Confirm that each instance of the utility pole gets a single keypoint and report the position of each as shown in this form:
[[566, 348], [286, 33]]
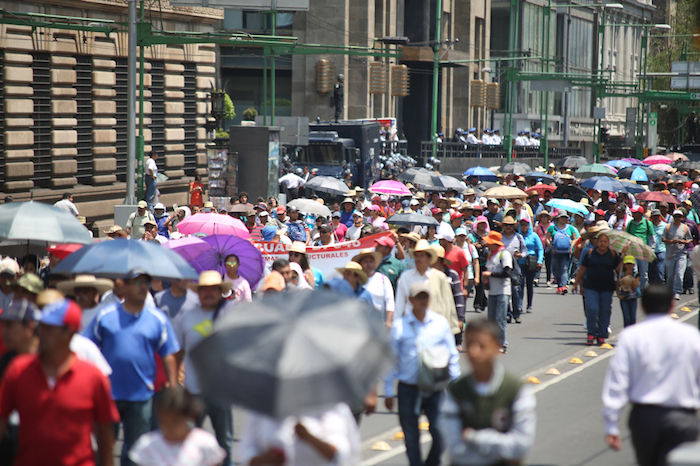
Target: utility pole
[[130, 198], [436, 72]]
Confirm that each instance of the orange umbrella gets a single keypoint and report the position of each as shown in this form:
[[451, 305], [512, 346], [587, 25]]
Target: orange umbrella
[[540, 189]]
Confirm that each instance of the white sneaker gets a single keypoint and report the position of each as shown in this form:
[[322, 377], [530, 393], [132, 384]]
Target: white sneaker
[[549, 283], [585, 325], [677, 297], [609, 331]]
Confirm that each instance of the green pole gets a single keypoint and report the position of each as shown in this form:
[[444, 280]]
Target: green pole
[[510, 85], [601, 45], [272, 70], [544, 142], [140, 139], [265, 51], [436, 70]]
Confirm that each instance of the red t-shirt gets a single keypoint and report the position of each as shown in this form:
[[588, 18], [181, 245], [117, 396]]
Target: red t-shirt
[[56, 423], [459, 261]]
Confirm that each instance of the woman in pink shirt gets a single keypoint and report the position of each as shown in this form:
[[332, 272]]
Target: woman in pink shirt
[[240, 290]]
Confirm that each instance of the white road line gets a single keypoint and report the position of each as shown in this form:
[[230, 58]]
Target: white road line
[[380, 458]]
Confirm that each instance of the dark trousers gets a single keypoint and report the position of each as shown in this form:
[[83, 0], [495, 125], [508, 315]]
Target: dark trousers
[[136, 420], [657, 430], [222, 421], [688, 282], [408, 396], [515, 307], [629, 311], [480, 299], [548, 264]]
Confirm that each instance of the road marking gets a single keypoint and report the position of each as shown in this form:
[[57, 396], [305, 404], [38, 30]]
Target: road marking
[[380, 458]]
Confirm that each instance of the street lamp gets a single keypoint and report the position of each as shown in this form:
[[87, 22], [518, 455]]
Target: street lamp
[[218, 109]]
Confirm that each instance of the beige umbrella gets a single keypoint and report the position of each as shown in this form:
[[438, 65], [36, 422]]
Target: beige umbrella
[[675, 156], [505, 192]]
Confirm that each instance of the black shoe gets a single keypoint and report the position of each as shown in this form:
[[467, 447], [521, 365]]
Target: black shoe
[[509, 318]]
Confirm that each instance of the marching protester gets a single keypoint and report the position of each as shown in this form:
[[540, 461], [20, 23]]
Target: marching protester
[[497, 277]]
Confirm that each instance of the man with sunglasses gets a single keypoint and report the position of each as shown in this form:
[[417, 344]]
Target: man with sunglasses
[[9, 268], [325, 238], [129, 334]]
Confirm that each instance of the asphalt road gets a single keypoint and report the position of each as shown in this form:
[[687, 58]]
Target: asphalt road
[[570, 428]]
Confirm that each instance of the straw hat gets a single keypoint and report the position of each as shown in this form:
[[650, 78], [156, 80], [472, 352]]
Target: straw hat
[[423, 246], [454, 202], [508, 220], [211, 278], [440, 251], [419, 195], [354, 267], [297, 246], [102, 285], [49, 296], [413, 236], [115, 230], [595, 230], [368, 253]]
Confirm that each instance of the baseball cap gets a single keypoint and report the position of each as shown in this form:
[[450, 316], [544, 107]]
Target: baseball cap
[[599, 212], [159, 206], [261, 206], [460, 231], [456, 215], [274, 281], [435, 211], [63, 313], [386, 241], [525, 219], [677, 212], [655, 212], [142, 205], [281, 209], [9, 266], [414, 202], [263, 214], [31, 283], [357, 213], [21, 310], [629, 260], [150, 222], [492, 200], [638, 209], [419, 288], [137, 272], [336, 215], [325, 227]]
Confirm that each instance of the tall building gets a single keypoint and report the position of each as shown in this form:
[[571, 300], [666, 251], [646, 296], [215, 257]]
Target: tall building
[[574, 48], [63, 99]]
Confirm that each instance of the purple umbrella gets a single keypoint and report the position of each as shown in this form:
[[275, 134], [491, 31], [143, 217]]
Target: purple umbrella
[[190, 248], [251, 263], [633, 161]]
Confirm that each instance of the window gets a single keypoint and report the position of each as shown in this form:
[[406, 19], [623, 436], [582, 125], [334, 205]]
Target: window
[[121, 88], [41, 85], [83, 97]]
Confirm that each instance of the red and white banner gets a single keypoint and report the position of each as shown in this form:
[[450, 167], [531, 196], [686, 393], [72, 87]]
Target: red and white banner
[[324, 258]]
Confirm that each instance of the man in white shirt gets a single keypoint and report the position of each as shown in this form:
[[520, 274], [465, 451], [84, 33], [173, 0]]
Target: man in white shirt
[[521, 140], [355, 230], [497, 139], [486, 137], [656, 367], [378, 285], [66, 203], [471, 137], [151, 181]]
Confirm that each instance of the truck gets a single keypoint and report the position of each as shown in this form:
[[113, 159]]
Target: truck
[[337, 148]]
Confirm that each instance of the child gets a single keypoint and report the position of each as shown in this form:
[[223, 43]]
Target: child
[[178, 442], [488, 416], [627, 287]]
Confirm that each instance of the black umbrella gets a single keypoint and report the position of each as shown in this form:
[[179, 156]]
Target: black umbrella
[[573, 162], [516, 168], [485, 186], [420, 176], [678, 178], [411, 218], [651, 173], [687, 165], [327, 184], [573, 192], [293, 352], [446, 183]]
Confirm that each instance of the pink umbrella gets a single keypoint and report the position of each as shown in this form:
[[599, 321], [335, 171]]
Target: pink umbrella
[[662, 167], [189, 247], [657, 159], [213, 224], [392, 187], [675, 156]]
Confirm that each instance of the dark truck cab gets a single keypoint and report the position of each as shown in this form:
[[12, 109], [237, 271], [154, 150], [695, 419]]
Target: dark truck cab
[[336, 147]]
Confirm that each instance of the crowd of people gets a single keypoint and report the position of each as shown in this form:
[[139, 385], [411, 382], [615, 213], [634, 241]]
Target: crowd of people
[[88, 353]]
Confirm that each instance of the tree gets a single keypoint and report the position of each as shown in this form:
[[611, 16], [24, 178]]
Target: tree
[[229, 108]]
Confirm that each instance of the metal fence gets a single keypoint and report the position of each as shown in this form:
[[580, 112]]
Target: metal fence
[[461, 150]]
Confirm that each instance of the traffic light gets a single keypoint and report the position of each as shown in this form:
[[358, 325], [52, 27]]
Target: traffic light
[[400, 81], [493, 96], [478, 93], [324, 76], [378, 78], [604, 133]]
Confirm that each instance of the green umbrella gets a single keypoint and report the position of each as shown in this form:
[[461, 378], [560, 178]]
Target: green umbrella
[[635, 246], [595, 169]]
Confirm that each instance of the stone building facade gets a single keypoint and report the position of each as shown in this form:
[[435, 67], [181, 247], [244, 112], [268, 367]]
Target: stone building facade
[[63, 106]]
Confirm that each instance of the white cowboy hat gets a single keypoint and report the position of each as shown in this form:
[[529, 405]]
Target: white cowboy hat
[[211, 278], [102, 285]]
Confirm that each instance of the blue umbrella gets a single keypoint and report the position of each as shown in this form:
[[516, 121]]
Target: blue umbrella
[[618, 163], [535, 176], [569, 206], [638, 174], [604, 183], [632, 188], [482, 173], [114, 259]]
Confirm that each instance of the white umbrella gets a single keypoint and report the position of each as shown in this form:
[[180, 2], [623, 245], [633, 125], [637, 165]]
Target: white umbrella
[[309, 206]]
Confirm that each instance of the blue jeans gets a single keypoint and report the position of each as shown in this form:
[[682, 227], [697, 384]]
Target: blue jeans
[[642, 270], [598, 312], [150, 190], [515, 307], [408, 398], [222, 421], [560, 266], [675, 270], [629, 311], [136, 419], [657, 269], [498, 308]]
